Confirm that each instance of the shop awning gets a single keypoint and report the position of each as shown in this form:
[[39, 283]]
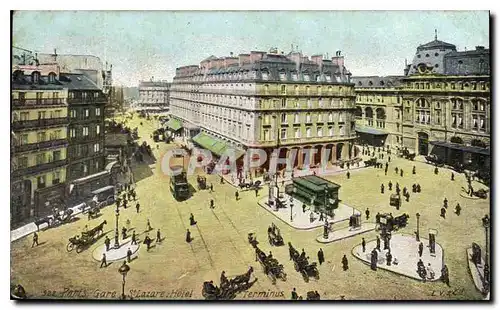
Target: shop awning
[[216, 145], [461, 147], [174, 124], [370, 130]]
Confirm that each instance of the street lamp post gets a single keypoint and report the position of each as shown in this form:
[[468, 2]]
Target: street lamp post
[[291, 208], [417, 234], [123, 270], [486, 224], [326, 194], [117, 244]]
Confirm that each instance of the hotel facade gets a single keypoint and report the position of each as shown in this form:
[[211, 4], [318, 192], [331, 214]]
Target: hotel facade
[[268, 101]]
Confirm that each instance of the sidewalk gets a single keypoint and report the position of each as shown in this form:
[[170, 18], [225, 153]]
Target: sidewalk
[[404, 248], [477, 271], [301, 220]]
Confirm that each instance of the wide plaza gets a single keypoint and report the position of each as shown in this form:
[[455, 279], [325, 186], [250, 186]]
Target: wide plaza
[[220, 239]]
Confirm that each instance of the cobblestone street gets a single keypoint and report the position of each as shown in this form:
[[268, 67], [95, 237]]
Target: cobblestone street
[[220, 239]]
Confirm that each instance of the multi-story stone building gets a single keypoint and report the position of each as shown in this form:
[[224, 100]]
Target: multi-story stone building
[[86, 102], [154, 95], [267, 101], [442, 104], [39, 141]]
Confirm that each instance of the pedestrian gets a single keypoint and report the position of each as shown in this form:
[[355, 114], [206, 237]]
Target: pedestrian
[[117, 201], [420, 249], [389, 158], [388, 258], [148, 226], [367, 213], [377, 218], [458, 209], [452, 177], [363, 244], [382, 188], [378, 243], [418, 188], [133, 194], [134, 238], [445, 277], [129, 255], [321, 218], [294, 294], [304, 208], [311, 217], [89, 217], [374, 260], [401, 172], [386, 169], [414, 188], [421, 270], [125, 203], [107, 242], [445, 203], [396, 169], [221, 180], [191, 220], [212, 204], [407, 197], [147, 241], [256, 192], [436, 171], [348, 175], [103, 260], [390, 185], [345, 263], [137, 207], [211, 187], [158, 235], [188, 236], [321, 256], [430, 272], [237, 195], [35, 239], [443, 213], [414, 170]]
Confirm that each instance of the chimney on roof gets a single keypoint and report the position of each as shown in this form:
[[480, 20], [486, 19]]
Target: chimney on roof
[[435, 34], [479, 48], [55, 55], [231, 54]]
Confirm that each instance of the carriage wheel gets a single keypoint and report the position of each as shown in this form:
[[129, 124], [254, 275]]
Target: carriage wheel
[[70, 247], [273, 279], [296, 266], [306, 277], [283, 276], [110, 200], [317, 276], [79, 248]]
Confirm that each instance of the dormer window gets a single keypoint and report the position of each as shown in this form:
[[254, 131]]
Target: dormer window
[[370, 83], [52, 78], [306, 77], [265, 75], [36, 77], [294, 76], [282, 75]]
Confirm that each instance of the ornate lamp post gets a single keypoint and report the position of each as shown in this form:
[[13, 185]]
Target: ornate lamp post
[[486, 225], [123, 270], [291, 205], [417, 233], [117, 244]]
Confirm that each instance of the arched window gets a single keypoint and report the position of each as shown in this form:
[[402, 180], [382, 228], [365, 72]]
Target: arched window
[[52, 77], [35, 77]]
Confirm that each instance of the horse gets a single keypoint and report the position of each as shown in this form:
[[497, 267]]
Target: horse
[[244, 278], [96, 230]]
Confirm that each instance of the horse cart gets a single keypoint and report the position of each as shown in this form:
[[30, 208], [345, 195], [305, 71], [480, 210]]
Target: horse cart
[[58, 217], [389, 223], [252, 240], [228, 287], [274, 236], [395, 200], [313, 295], [433, 159], [250, 185], [482, 193], [272, 268], [202, 182], [302, 265], [370, 162], [87, 238]]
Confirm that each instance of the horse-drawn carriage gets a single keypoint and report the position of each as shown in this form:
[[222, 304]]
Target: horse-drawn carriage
[[433, 159], [252, 240], [274, 236], [202, 182], [250, 185], [58, 217], [370, 162], [313, 295], [482, 193], [87, 238], [228, 287], [389, 223], [395, 200], [272, 268], [302, 265]]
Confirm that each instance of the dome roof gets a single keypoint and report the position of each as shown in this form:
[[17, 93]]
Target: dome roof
[[436, 44]]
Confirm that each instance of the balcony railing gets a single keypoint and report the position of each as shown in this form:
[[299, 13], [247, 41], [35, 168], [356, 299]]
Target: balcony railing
[[41, 145], [44, 122], [38, 102], [87, 100], [39, 168]]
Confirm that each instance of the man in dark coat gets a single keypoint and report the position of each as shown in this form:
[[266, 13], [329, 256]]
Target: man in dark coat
[[158, 235], [147, 242], [367, 213], [420, 249], [401, 172], [294, 294], [191, 220], [445, 203], [321, 256], [458, 209], [236, 195], [390, 185], [373, 261], [35, 239], [345, 263], [443, 213], [414, 170], [452, 177], [414, 188], [124, 233], [378, 243], [188, 236], [212, 205], [137, 207], [445, 276], [107, 242], [363, 244], [348, 175], [211, 187], [377, 218], [129, 255], [388, 258], [436, 170], [103, 261], [382, 188], [134, 238]]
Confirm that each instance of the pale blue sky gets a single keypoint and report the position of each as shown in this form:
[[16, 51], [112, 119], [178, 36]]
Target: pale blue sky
[[141, 44]]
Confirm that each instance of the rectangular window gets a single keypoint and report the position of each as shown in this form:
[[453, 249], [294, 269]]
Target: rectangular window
[[40, 181], [22, 96], [308, 118], [320, 131], [98, 129], [96, 148], [25, 116], [85, 131], [22, 162], [56, 177], [41, 136], [482, 123], [330, 131], [72, 113], [266, 135], [97, 111], [56, 155], [297, 118], [308, 132], [72, 133], [320, 118], [41, 114], [39, 96], [297, 133], [475, 124], [283, 133], [40, 159], [86, 113]]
